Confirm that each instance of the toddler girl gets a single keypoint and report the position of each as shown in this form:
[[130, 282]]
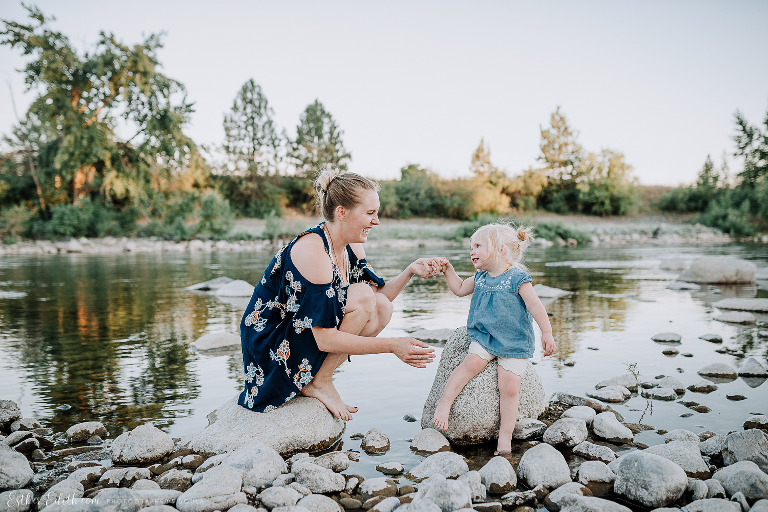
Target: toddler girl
[[499, 321]]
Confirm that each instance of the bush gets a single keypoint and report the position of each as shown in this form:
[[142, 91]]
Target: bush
[[14, 221], [216, 217], [684, 200], [88, 218]]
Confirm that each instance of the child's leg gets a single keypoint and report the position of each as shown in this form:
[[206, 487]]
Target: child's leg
[[471, 366], [509, 394]]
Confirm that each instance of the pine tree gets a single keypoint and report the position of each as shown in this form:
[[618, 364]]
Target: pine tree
[[318, 144]]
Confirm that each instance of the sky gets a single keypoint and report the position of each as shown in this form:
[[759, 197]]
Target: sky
[[424, 82]]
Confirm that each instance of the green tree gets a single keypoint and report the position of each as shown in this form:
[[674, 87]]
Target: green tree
[[560, 152], [80, 100], [318, 143], [752, 145]]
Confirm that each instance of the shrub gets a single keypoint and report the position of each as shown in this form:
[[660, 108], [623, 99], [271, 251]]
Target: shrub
[[14, 221]]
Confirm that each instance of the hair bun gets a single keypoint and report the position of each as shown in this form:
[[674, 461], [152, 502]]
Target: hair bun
[[522, 234], [325, 178]]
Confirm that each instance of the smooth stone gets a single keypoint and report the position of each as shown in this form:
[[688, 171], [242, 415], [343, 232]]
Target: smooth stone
[[279, 497], [9, 412], [390, 468], [18, 500], [498, 476], [595, 471], [566, 431], [671, 382], [28, 424], [15, 471], [375, 441], [750, 445], [259, 462], [218, 340], [175, 479], [474, 416], [430, 440], [606, 426], [744, 477], [712, 446], [446, 464], [736, 317], [613, 394], [553, 501], [317, 503], [143, 445], [335, 461], [211, 285], [119, 500], [703, 386], [302, 424], [720, 269], [680, 434], [712, 338], [147, 485], [219, 489], [627, 380], [386, 505], [517, 498], [721, 370], [666, 394], [528, 428], [594, 452], [714, 488], [566, 399], [685, 454], [237, 288], [83, 431], [87, 476], [757, 421], [650, 480], [319, 479], [156, 497], [379, 486], [712, 505], [741, 304], [543, 465], [547, 292], [446, 494], [667, 337], [753, 368], [574, 503], [760, 506], [580, 411]]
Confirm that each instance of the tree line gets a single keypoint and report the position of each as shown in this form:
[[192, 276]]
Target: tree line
[[102, 150]]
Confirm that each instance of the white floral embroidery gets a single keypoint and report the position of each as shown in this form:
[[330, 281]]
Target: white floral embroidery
[[281, 355], [254, 372], [300, 325], [293, 394], [330, 292], [269, 408], [278, 257], [304, 375]]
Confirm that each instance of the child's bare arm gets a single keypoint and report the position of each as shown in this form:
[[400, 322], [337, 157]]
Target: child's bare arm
[[458, 286], [539, 313]]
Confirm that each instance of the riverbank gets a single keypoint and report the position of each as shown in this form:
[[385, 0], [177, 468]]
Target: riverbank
[[250, 235]]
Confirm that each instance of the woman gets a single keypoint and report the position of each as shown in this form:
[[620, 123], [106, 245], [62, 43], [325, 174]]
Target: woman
[[320, 301]]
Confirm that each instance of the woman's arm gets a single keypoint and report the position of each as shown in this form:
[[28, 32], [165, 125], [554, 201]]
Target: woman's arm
[[459, 287], [409, 350], [539, 313], [423, 267]]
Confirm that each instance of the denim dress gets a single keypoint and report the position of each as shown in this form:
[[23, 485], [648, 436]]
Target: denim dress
[[280, 354], [498, 318]]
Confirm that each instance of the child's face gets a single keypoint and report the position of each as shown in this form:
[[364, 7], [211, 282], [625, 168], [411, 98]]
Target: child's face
[[480, 253]]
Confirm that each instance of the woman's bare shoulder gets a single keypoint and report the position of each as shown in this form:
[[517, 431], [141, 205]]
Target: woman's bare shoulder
[[358, 250], [311, 260]]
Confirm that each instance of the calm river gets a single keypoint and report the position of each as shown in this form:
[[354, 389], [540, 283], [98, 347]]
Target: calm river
[[106, 338]]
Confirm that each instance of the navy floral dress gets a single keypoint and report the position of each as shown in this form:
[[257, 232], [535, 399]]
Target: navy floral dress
[[280, 355]]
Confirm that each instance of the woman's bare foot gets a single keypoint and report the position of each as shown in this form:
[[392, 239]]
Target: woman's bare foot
[[330, 398], [442, 411]]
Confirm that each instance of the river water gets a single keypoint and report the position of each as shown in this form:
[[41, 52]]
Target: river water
[[106, 338]]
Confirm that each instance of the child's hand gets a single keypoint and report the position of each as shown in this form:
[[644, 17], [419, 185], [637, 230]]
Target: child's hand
[[444, 264], [548, 344]]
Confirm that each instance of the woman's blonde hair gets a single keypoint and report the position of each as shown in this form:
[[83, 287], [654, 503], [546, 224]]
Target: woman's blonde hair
[[506, 240], [339, 188]]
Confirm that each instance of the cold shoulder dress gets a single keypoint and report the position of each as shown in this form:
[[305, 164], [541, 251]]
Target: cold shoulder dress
[[280, 354]]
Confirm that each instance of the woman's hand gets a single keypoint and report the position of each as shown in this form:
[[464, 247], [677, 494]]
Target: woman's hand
[[427, 267], [414, 352]]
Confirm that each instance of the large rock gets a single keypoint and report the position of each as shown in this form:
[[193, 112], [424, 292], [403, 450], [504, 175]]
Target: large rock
[[650, 480], [685, 454], [474, 415], [606, 426], [19, 500], [720, 269], [259, 462], [447, 464], [759, 305], [574, 503], [319, 479], [446, 494], [614, 394], [218, 340], [143, 445], [86, 430], [736, 317], [302, 424], [580, 411], [566, 431], [594, 452], [744, 477], [753, 368], [15, 471], [237, 288], [713, 505], [543, 465], [498, 476], [751, 445], [430, 440], [118, 500], [219, 489]]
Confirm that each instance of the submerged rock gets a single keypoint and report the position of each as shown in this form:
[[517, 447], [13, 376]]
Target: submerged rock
[[736, 317], [302, 424], [720, 269], [667, 337], [218, 340], [474, 415], [759, 305], [721, 370], [753, 368], [750, 445], [627, 380]]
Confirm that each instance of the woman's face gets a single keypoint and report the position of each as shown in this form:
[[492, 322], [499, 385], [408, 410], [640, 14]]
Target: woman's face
[[359, 220]]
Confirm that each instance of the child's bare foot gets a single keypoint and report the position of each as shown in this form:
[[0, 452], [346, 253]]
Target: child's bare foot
[[442, 411], [330, 398], [503, 447]]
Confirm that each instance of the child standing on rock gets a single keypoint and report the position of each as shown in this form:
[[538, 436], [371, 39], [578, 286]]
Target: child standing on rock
[[499, 322]]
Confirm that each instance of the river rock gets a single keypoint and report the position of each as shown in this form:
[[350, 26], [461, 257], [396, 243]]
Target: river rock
[[143, 445], [319, 479], [88, 476], [28, 424], [219, 489], [543, 465], [753, 368], [429, 440], [703, 386], [517, 498], [18, 500], [119, 500], [86, 430], [751, 445], [447, 464], [574, 503], [712, 505], [760, 506], [381, 486], [475, 483], [315, 503], [209, 286], [498, 476], [720, 370], [759, 305], [714, 488], [149, 485], [666, 394], [712, 338], [613, 394], [744, 477], [279, 497], [650, 480], [62, 491], [335, 461], [390, 468], [696, 490], [9, 412], [474, 415], [671, 382], [666, 337], [302, 424], [547, 292], [218, 340], [446, 494], [553, 499], [627, 380], [375, 441], [259, 462], [566, 399], [594, 471], [606, 426], [15, 471], [736, 317], [680, 434], [720, 269], [528, 428], [176, 480], [685, 454], [594, 452], [566, 431], [756, 421], [237, 288], [580, 411]]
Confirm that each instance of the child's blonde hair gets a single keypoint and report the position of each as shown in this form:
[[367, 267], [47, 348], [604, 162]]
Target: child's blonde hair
[[506, 241]]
